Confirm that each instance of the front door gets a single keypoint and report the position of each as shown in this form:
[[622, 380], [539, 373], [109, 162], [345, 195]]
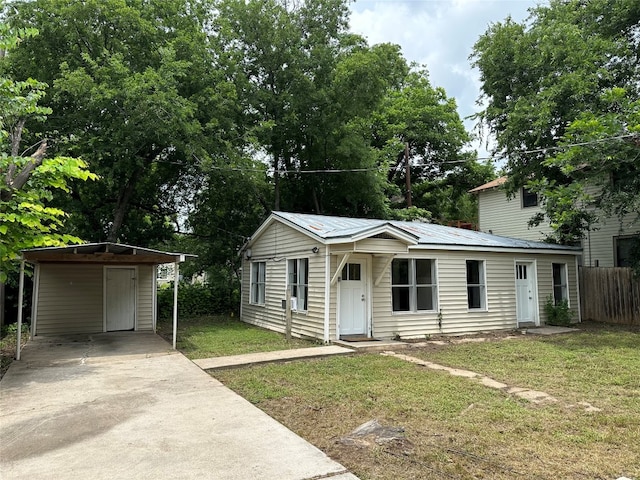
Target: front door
[[353, 311], [525, 293], [120, 301]]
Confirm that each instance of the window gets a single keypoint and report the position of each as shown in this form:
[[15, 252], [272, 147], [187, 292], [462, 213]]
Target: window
[[560, 292], [413, 285], [299, 283], [257, 282], [476, 288], [529, 198], [624, 247], [351, 271]]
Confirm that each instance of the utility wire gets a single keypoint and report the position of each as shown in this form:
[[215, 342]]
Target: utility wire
[[494, 158]]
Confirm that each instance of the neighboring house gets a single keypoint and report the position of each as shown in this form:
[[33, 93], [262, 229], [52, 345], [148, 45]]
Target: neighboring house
[[607, 245], [376, 278]]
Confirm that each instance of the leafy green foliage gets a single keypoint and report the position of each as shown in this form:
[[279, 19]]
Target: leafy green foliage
[[558, 313], [199, 299], [561, 98], [27, 217]]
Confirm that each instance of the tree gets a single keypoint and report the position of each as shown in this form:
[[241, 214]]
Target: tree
[[28, 177], [134, 93], [307, 86], [548, 86]]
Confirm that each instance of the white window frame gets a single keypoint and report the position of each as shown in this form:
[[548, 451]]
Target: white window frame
[[564, 283], [482, 274], [297, 281], [413, 286], [257, 292]]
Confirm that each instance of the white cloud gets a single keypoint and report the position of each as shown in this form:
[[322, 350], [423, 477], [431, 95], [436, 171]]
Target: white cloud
[[439, 34]]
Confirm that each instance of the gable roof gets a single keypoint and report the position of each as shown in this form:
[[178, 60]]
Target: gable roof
[[488, 186], [332, 230]]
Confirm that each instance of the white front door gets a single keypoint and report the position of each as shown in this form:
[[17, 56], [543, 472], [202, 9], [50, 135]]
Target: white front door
[[525, 293], [353, 305], [120, 303]]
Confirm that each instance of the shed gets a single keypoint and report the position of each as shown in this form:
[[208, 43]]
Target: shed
[[95, 288], [369, 278]]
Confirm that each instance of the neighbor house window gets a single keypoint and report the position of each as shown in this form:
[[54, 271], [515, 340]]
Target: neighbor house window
[[476, 288], [299, 282], [413, 285], [560, 292], [529, 198], [623, 249], [257, 282]]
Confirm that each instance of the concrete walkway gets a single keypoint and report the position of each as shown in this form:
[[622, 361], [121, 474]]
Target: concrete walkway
[[267, 357], [125, 406]]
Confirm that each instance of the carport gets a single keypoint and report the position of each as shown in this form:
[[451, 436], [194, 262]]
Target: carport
[[95, 288]]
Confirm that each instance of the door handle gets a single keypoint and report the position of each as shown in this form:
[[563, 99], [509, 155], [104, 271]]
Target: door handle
[[362, 297]]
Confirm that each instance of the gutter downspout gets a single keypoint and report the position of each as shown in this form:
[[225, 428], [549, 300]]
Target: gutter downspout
[[20, 299], [327, 292]]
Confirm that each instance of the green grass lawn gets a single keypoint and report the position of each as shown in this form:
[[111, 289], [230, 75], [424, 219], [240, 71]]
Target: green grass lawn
[[455, 427], [217, 336]]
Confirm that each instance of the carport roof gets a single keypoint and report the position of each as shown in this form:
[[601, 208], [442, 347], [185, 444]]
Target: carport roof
[[103, 252]]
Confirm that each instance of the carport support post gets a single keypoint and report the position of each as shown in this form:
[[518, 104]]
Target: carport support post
[[20, 298], [175, 303]]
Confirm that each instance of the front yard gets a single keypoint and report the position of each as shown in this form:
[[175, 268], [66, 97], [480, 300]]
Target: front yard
[[457, 428]]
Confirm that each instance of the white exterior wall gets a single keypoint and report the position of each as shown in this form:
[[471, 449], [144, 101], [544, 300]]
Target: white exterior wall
[[276, 245], [144, 307], [70, 299], [507, 217], [452, 294], [599, 246]]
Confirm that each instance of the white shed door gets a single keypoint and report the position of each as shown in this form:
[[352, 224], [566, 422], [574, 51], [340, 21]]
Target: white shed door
[[525, 287], [120, 299], [353, 320]]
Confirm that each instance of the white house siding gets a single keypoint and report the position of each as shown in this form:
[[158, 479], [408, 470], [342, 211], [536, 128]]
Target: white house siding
[[500, 216], [277, 244], [452, 294], [599, 246], [144, 307], [545, 282], [70, 299]]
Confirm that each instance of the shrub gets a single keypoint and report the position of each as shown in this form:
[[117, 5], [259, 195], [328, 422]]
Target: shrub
[[558, 314], [198, 299]]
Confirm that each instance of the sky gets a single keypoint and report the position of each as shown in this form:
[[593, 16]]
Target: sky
[[439, 34]]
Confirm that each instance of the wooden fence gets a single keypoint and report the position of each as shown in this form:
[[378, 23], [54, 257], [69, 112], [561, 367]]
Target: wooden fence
[[610, 295]]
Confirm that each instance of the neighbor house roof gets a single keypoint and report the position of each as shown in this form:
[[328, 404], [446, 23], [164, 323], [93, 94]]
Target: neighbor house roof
[[332, 230], [488, 186], [104, 252]]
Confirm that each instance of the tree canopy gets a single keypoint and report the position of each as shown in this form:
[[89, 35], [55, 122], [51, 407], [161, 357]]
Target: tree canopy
[[29, 176], [560, 94]]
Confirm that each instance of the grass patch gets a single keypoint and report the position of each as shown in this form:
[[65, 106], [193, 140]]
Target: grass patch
[[8, 343], [455, 427], [217, 336]]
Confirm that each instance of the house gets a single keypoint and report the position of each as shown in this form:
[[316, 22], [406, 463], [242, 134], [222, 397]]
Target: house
[[349, 277], [608, 244], [94, 288]]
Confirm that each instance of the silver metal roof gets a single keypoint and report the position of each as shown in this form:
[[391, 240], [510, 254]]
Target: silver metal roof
[[334, 228], [106, 247]]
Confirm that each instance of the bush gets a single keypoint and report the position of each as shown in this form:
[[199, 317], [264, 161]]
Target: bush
[[198, 299], [560, 314]]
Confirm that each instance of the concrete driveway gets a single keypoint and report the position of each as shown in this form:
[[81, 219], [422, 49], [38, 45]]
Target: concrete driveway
[[124, 405]]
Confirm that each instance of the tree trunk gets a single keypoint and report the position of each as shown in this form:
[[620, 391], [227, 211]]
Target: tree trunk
[[122, 206]]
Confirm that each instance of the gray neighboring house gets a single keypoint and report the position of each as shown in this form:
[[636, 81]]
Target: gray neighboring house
[[352, 277]]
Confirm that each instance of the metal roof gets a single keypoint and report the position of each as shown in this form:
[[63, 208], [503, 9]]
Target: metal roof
[[332, 229], [83, 251]]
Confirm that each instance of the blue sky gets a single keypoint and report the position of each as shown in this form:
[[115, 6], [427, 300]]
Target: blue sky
[[439, 34]]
